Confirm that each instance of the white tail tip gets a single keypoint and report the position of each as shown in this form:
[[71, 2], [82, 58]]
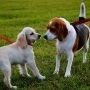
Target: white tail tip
[[82, 10]]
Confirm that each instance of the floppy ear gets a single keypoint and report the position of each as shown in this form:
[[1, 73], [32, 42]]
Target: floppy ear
[[62, 32], [63, 29], [22, 40]]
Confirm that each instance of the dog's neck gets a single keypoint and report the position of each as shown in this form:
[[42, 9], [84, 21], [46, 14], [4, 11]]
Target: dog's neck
[[17, 44]]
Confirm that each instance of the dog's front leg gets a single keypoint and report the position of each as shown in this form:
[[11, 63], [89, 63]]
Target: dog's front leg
[[56, 71], [70, 59], [35, 70]]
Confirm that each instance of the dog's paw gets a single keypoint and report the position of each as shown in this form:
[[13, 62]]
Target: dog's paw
[[67, 74], [41, 77], [28, 75], [56, 72], [13, 87]]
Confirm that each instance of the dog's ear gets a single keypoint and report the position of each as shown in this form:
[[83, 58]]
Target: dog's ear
[[22, 40], [62, 30]]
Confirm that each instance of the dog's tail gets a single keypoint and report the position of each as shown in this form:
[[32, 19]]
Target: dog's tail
[[82, 14]]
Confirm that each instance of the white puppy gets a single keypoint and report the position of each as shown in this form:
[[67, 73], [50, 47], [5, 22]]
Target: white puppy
[[20, 52]]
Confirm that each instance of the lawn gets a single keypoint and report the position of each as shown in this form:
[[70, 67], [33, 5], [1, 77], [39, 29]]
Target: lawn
[[16, 14]]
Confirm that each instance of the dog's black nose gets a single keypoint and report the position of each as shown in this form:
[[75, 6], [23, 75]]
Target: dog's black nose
[[45, 37], [39, 36]]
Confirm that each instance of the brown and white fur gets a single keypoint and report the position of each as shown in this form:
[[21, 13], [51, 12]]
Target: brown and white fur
[[20, 52], [69, 39]]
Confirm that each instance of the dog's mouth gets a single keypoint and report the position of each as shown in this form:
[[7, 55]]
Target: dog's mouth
[[29, 42]]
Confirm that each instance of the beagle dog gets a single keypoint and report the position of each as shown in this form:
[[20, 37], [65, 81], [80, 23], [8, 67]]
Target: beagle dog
[[70, 38], [20, 52]]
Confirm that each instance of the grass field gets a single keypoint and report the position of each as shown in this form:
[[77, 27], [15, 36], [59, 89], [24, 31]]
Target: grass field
[[16, 14]]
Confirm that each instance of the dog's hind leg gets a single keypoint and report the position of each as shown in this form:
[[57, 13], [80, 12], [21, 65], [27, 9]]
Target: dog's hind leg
[[7, 75], [23, 70], [85, 50]]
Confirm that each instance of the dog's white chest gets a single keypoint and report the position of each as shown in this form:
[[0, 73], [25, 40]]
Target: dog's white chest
[[66, 45]]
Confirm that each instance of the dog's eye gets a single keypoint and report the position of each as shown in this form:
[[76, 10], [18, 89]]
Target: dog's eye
[[31, 33]]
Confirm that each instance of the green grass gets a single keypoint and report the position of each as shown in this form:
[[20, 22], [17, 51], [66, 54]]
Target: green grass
[[16, 14]]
